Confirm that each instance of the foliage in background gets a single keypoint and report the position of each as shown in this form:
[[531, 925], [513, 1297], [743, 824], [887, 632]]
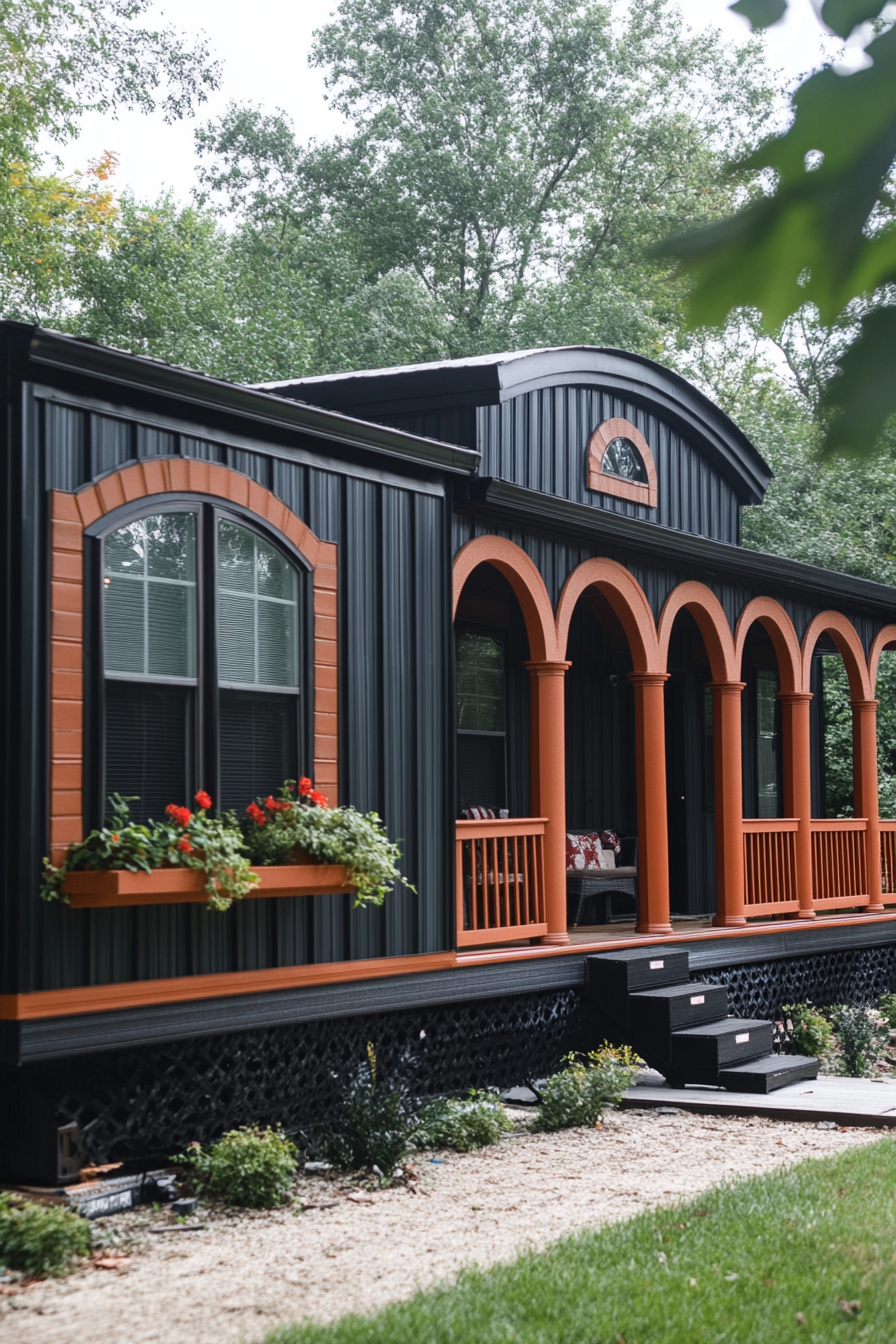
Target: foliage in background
[[578, 1094], [248, 1168], [375, 1121], [40, 1240], [463, 1123], [862, 1038], [812, 1032], [824, 233], [888, 1008]]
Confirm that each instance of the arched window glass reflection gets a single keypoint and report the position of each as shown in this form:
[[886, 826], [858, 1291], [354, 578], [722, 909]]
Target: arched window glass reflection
[[621, 458]]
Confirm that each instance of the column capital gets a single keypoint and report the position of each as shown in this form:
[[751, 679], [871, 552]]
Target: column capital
[[794, 697], [547, 668], [648, 678], [725, 687], [864, 706]]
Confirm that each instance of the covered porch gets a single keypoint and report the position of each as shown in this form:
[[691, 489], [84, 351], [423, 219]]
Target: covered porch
[[612, 719]]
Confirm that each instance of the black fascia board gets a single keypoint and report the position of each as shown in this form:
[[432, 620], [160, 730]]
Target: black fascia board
[[262, 409], [517, 504], [491, 380]]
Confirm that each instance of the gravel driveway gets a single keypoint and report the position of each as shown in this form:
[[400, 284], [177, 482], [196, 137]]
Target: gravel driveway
[[248, 1272]]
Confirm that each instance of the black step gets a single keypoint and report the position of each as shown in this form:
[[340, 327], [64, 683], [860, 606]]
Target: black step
[[765, 1075], [654, 1013], [611, 976], [699, 1053]]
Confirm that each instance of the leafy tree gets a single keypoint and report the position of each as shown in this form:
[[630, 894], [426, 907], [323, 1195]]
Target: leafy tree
[[824, 234]]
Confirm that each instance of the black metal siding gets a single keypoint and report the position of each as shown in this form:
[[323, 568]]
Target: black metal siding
[[394, 583]]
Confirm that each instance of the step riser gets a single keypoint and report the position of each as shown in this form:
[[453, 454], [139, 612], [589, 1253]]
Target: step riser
[[656, 1018], [707, 1055], [794, 1070], [611, 977]]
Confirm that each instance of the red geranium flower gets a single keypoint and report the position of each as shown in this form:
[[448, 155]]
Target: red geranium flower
[[184, 844], [317, 798], [256, 814], [203, 799], [181, 816], [115, 839], [305, 785]]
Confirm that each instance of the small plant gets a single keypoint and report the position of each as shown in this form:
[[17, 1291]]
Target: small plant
[[862, 1036], [248, 1168], [812, 1032], [39, 1240], [578, 1093], [888, 1008], [299, 820], [376, 1122], [463, 1123]]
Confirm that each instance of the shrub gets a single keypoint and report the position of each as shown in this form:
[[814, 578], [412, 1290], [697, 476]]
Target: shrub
[[862, 1037], [812, 1032], [39, 1240], [888, 1008], [249, 1168], [578, 1094], [376, 1121], [464, 1123]]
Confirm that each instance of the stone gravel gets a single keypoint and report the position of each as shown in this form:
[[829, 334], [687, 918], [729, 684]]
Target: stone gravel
[[244, 1273]]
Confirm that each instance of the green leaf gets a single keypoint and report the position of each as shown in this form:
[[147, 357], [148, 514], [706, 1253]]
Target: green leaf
[[761, 13], [841, 16], [862, 396]]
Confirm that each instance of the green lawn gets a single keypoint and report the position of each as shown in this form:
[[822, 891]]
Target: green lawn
[[762, 1261]]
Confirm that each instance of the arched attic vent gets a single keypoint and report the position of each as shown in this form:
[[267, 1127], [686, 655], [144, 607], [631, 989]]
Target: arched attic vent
[[620, 463]]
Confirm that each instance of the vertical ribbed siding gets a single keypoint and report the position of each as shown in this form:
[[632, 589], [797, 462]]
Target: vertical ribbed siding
[[540, 440], [394, 582]]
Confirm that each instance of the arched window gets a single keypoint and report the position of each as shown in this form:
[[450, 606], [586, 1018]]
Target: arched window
[[620, 463], [621, 458], [201, 637]]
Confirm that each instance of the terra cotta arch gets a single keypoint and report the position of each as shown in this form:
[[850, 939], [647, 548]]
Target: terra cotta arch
[[525, 579], [707, 611], [884, 639], [627, 598], [778, 625], [849, 646]]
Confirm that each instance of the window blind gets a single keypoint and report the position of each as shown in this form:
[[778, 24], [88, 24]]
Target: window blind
[[258, 744], [149, 598], [257, 611], [149, 736]]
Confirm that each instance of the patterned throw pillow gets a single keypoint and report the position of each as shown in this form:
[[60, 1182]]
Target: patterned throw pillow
[[607, 858], [582, 852]]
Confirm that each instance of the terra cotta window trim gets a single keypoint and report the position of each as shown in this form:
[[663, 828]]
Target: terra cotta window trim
[[608, 484]]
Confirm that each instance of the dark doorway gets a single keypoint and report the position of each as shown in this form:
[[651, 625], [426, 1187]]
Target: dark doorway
[[690, 772]]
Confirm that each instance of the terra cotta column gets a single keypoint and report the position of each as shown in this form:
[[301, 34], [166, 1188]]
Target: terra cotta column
[[864, 757], [653, 823], [729, 800], [548, 766], [797, 778]]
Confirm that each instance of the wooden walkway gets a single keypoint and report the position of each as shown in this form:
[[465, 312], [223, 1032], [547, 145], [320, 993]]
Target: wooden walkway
[[846, 1101]]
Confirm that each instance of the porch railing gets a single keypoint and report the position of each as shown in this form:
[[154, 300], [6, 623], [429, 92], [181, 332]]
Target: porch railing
[[770, 865], [888, 860], [838, 863], [500, 880]]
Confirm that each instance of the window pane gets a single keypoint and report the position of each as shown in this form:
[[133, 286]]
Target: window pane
[[259, 748], [149, 741], [622, 458], [149, 597], [767, 742], [480, 771], [480, 684], [258, 614]]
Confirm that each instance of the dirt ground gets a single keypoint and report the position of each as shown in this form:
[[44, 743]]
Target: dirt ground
[[247, 1272]]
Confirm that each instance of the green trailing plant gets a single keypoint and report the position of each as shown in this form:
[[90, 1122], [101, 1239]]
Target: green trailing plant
[[888, 1008], [812, 1032], [862, 1036], [39, 1240], [200, 840], [463, 1123], [376, 1121], [299, 824], [577, 1095], [248, 1168]]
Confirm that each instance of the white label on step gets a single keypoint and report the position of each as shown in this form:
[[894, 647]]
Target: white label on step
[[742, 1038], [698, 998], [657, 965]]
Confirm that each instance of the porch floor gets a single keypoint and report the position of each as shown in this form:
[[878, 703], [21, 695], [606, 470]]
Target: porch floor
[[845, 1101]]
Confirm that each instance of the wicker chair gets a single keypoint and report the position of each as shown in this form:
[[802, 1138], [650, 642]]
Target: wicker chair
[[601, 886]]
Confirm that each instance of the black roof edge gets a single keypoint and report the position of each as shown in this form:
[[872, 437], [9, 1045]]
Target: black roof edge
[[517, 503], [490, 380], [73, 354]]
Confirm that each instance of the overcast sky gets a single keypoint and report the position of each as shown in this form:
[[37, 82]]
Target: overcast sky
[[266, 61]]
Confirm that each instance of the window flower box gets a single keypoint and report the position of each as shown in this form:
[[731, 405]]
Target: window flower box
[[112, 888]]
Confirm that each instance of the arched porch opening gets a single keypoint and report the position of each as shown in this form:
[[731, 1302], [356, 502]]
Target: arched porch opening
[[845, 826], [882, 676], [703, 757]]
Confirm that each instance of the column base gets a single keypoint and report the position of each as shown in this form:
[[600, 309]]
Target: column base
[[653, 928], [875, 909], [554, 940], [805, 914], [729, 922]]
